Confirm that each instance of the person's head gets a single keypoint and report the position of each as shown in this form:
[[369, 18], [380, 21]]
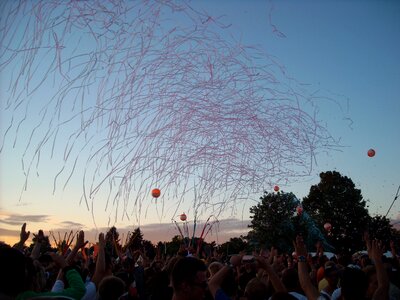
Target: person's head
[[256, 290], [214, 267], [331, 274], [13, 272], [365, 261], [111, 288], [354, 284], [189, 278], [157, 265], [290, 280]]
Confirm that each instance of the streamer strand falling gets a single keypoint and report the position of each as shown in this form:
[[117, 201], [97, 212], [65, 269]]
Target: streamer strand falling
[[121, 96]]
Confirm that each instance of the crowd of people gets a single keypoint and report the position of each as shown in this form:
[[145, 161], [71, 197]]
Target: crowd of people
[[26, 273]]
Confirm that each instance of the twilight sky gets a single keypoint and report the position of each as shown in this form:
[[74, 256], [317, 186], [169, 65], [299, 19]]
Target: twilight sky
[[344, 52]]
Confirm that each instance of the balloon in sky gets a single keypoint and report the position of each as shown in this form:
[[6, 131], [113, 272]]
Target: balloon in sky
[[183, 217], [327, 226], [119, 97], [155, 193], [371, 152], [276, 188]]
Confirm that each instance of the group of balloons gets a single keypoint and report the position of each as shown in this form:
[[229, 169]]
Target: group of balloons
[[157, 193]]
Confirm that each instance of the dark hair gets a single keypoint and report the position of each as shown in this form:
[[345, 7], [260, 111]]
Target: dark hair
[[290, 279], [256, 289], [185, 270], [111, 288], [354, 284], [13, 271]]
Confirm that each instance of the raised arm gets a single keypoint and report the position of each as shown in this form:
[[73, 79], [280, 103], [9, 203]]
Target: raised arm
[[23, 236], [80, 243], [39, 238], [100, 270], [216, 281], [273, 277], [76, 288], [393, 251], [304, 277], [375, 252]]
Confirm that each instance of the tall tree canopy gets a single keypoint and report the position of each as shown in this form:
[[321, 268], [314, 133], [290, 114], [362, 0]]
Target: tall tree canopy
[[136, 239], [276, 221], [335, 200], [271, 222]]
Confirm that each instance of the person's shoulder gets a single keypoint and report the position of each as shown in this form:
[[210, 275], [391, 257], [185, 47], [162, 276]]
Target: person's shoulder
[[220, 295]]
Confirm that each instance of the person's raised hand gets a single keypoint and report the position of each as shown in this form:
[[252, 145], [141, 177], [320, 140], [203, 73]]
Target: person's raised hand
[[59, 260], [24, 235], [299, 246], [80, 240], [39, 237], [375, 249]]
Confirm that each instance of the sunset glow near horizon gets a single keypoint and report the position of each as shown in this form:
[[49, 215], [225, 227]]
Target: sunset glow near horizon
[[345, 53]]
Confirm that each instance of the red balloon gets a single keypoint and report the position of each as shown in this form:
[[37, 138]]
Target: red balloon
[[299, 210], [183, 217], [327, 226], [156, 193], [371, 152], [276, 188]]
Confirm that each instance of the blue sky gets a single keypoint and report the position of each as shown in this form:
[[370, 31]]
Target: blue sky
[[345, 51]]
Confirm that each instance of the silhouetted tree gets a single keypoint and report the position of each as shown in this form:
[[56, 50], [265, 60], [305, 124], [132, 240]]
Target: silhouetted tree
[[136, 239], [234, 246], [379, 227], [335, 200], [272, 221], [149, 249]]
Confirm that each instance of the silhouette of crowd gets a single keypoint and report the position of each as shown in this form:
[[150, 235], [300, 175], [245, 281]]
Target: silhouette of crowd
[[30, 273]]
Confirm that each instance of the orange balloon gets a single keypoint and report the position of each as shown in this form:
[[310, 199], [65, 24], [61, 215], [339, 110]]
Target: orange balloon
[[156, 193], [371, 152], [183, 217], [276, 188]]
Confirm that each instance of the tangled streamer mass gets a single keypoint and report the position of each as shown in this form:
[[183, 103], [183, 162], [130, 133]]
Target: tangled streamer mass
[[135, 95]]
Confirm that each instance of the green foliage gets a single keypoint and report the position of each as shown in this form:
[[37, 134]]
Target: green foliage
[[234, 246], [336, 200], [379, 227], [136, 239], [45, 245], [149, 249], [273, 221], [173, 246]]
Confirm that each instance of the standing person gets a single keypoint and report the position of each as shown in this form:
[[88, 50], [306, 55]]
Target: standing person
[[189, 279]]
